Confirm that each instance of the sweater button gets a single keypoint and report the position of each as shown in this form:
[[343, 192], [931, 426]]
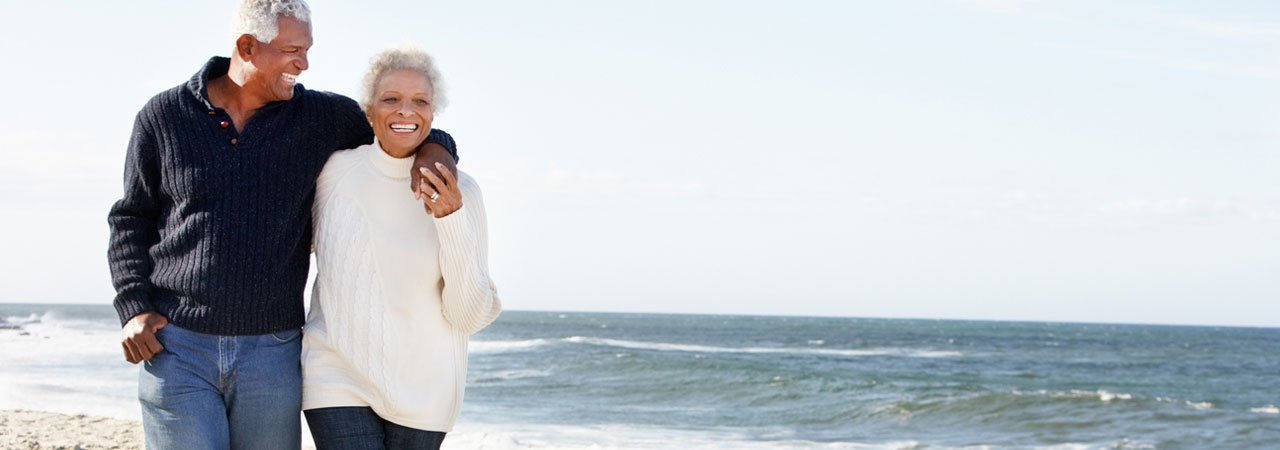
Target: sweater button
[[233, 141], [213, 113], [223, 124]]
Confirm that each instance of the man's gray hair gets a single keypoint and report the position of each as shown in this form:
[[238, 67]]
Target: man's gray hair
[[408, 58], [258, 18]]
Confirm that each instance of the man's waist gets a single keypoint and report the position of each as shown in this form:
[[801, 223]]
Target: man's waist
[[231, 316]]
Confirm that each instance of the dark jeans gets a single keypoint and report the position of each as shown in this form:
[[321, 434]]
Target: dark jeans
[[359, 428]]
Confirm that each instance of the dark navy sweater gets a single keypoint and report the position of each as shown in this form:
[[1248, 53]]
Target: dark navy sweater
[[214, 229]]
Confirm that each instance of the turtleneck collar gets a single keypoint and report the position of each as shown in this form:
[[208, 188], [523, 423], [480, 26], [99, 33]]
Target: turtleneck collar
[[387, 165]]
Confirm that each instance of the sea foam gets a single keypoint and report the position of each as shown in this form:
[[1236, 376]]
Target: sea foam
[[1269, 409], [1102, 395], [628, 437], [1200, 405], [505, 346]]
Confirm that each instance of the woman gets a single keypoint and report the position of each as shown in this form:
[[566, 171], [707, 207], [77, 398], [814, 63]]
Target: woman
[[385, 349]]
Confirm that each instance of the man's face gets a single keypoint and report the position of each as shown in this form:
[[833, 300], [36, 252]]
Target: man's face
[[277, 64]]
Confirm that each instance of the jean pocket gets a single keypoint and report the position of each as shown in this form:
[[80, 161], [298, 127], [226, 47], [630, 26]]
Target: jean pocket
[[286, 336], [162, 335]]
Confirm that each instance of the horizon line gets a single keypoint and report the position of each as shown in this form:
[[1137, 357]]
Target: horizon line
[[808, 316]]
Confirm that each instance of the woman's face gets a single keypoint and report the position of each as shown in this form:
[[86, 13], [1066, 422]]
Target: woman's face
[[401, 111]]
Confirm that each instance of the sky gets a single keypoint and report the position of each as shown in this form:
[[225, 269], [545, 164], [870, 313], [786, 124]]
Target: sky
[[1084, 161]]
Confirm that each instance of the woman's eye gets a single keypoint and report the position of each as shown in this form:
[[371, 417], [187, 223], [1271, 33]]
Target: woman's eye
[[389, 100], [421, 102]]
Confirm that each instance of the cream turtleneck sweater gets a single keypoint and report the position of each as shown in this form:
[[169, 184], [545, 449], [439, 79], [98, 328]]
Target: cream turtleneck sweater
[[397, 293]]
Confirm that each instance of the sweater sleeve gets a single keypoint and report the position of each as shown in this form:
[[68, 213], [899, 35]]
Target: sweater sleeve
[[470, 300], [438, 136], [135, 225], [350, 124]]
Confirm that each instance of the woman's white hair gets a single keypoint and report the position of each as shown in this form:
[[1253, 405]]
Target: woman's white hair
[[408, 58], [258, 18]]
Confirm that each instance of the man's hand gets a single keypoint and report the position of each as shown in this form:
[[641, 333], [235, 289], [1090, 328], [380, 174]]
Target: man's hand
[[428, 155], [439, 197], [139, 336]]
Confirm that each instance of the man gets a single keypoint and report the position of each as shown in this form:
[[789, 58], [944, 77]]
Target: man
[[210, 242]]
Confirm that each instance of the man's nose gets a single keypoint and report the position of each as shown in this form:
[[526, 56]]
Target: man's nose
[[302, 62]]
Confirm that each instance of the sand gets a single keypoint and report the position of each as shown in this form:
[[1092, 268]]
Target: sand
[[30, 430]]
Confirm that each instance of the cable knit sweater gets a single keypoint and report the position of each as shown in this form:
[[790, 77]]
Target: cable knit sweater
[[383, 333]]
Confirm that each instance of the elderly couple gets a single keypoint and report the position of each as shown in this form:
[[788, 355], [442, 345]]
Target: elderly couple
[[230, 180]]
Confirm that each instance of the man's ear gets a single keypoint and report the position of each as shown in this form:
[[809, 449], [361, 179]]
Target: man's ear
[[245, 46]]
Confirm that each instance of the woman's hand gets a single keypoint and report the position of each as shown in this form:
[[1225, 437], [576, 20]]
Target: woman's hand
[[439, 194]]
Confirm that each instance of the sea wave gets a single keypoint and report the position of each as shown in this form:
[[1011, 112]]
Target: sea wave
[[629, 436], [506, 346], [1200, 405], [1269, 409], [51, 323], [1008, 403], [1123, 444], [994, 402], [527, 344], [72, 340], [1102, 395], [18, 322], [666, 346], [504, 375]]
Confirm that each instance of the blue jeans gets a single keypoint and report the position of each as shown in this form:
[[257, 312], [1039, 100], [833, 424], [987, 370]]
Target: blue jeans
[[359, 428], [222, 392]]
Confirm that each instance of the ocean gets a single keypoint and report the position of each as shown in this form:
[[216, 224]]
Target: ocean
[[631, 381]]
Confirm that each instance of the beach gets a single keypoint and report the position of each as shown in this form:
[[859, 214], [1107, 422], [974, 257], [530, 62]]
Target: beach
[[21, 429], [35, 430], [38, 430]]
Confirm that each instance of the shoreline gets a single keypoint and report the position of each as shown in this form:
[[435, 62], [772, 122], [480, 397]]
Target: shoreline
[[29, 429]]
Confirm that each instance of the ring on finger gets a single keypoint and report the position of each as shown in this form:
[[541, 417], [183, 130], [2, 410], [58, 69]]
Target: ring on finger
[[434, 196]]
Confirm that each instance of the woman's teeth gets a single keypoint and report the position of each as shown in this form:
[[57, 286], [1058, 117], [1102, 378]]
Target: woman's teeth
[[399, 128]]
